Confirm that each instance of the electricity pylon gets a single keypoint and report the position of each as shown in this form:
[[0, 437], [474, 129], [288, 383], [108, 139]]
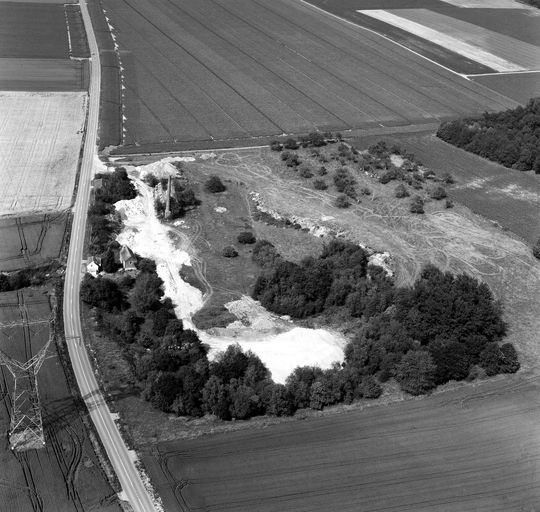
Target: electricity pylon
[[26, 426]]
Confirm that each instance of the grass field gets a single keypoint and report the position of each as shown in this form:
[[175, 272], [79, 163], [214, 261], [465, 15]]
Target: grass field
[[237, 69], [31, 240], [65, 476], [33, 30], [40, 138], [43, 74]]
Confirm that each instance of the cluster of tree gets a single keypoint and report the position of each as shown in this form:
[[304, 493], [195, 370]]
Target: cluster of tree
[[172, 366], [511, 138], [33, 276], [104, 221], [214, 185], [441, 329], [314, 139], [182, 200]]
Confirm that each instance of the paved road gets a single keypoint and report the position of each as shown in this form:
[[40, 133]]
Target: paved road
[[132, 485]]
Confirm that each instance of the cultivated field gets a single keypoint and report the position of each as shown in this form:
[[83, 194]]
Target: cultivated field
[[66, 474], [31, 240], [474, 449], [498, 51], [40, 138], [220, 70], [520, 87], [33, 30], [43, 74]]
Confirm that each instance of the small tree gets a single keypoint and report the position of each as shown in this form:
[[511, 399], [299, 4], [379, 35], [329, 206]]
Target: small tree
[[214, 185], [320, 185], [342, 201], [417, 205], [437, 193], [246, 237], [275, 145], [536, 249], [229, 252], [401, 191], [290, 143]]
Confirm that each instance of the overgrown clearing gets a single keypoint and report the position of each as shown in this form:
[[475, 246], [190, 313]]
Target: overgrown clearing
[[40, 140], [66, 474], [221, 70], [471, 449], [31, 240], [508, 197]]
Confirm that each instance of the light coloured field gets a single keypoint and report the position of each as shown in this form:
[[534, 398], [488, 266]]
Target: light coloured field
[[503, 46], [448, 37], [40, 139], [487, 4]]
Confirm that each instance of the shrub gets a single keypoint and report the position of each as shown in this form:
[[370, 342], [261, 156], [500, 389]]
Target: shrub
[[437, 193], [401, 191], [264, 253], [151, 180], [495, 359], [365, 191], [275, 145], [536, 249], [448, 178], [305, 171], [417, 205], [246, 237], [449, 203], [322, 171], [229, 252], [214, 185], [290, 143], [342, 201], [293, 160], [388, 176], [380, 149], [285, 155], [320, 185], [369, 387]]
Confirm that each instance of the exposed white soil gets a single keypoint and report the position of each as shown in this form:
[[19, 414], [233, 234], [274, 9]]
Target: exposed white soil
[[447, 41], [280, 345]]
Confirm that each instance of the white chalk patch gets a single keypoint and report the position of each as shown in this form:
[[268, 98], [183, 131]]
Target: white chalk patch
[[397, 160], [488, 4], [220, 209], [446, 41], [282, 353]]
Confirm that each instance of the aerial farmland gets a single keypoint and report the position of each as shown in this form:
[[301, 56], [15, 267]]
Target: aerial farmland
[[264, 283]]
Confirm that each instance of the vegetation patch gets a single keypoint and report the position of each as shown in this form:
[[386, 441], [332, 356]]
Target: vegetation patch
[[511, 138]]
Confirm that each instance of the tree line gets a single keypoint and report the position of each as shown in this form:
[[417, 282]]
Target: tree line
[[511, 138]]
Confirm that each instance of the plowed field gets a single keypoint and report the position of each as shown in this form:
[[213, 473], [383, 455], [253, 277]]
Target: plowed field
[[65, 476], [40, 139], [214, 69]]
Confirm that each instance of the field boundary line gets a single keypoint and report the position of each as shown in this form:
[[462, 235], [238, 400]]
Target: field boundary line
[[349, 22], [506, 73]]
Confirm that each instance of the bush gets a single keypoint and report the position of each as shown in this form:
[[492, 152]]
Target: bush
[[322, 171], [401, 191], [536, 249], [365, 191], [151, 180], [437, 193], [264, 253], [369, 387], [290, 143], [275, 145], [449, 203], [503, 359], [214, 185], [388, 176], [417, 205], [320, 185], [229, 252], [293, 160], [448, 178], [342, 201], [246, 237], [305, 171]]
